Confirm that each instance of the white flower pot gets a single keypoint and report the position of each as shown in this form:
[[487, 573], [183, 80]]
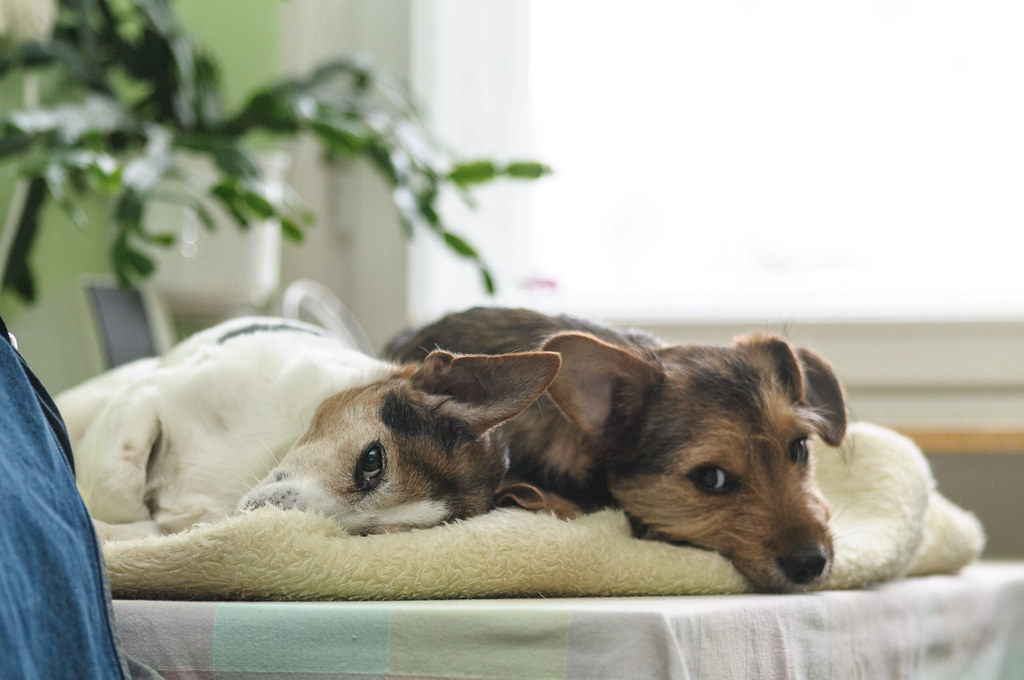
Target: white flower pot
[[221, 271]]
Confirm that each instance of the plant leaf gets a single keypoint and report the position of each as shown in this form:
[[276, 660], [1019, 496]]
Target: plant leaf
[[527, 170], [13, 142], [129, 208], [339, 139], [291, 230], [457, 244], [228, 194], [258, 204], [488, 280], [130, 263], [236, 162], [204, 215], [475, 172], [163, 239], [17, 275]]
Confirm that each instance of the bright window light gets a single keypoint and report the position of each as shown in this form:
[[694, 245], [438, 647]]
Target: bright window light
[[786, 159]]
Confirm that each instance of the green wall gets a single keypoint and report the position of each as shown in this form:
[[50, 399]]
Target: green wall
[[244, 37]]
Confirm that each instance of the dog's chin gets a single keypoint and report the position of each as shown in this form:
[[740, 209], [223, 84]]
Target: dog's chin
[[415, 514], [776, 582], [765, 580]]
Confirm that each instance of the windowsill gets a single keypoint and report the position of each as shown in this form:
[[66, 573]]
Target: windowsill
[[963, 441]]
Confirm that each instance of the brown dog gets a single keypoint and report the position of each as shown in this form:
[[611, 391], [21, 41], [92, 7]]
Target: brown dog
[[700, 445]]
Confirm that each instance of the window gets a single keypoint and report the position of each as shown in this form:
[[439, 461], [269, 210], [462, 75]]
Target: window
[[739, 160]]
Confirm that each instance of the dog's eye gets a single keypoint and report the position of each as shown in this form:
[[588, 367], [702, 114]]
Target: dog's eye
[[712, 479], [370, 468], [798, 452]]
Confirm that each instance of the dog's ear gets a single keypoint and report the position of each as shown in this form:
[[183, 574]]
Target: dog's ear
[[484, 391], [807, 378], [601, 387], [519, 494], [824, 394]]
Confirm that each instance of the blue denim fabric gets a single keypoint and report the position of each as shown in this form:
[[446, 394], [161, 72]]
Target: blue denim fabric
[[55, 619]]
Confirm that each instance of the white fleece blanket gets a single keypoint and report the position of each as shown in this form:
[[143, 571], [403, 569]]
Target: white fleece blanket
[[887, 518]]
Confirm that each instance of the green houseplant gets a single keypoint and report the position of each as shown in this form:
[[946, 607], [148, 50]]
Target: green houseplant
[[135, 90]]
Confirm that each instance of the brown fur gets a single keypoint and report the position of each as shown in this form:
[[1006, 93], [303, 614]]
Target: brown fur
[[650, 427]]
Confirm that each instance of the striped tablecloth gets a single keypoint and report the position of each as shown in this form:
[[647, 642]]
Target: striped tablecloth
[[965, 626]]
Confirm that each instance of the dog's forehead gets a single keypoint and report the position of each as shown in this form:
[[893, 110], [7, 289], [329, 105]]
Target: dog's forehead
[[707, 378], [340, 411], [392, 408], [409, 414], [715, 399]]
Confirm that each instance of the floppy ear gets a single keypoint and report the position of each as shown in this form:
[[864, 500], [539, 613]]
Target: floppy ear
[[601, 388], [484, 391], [519, 494], [824, 394], [807, 378]]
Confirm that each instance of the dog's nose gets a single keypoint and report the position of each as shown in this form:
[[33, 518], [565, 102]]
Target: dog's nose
[[804, 564]]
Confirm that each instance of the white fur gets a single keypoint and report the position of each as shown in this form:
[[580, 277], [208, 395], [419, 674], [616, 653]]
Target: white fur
[[423, 513], [225, 414]]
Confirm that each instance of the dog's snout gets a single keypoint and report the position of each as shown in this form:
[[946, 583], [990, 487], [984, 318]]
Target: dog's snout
[[284, 497], [249, 504], [804, 564]]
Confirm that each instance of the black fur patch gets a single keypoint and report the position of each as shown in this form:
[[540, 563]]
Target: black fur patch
[[735, 386], [406, 418], [266, 328], [409, 419]]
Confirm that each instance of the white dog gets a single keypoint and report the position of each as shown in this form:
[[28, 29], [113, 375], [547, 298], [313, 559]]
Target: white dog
[[261, 411]]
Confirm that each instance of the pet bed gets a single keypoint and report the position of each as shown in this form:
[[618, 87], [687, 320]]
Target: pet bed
[[887, 518]]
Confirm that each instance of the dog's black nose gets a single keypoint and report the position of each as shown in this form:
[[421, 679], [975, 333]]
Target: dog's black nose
[[804, 564]]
